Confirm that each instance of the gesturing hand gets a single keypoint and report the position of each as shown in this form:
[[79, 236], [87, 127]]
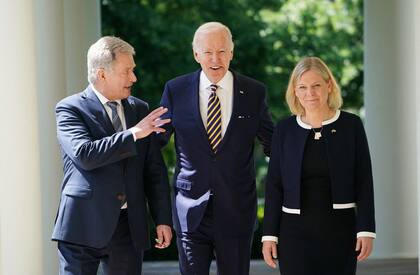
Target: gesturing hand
[[151, 123]]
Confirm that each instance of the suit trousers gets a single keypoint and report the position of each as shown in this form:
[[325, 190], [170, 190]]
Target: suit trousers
[[118, 258], [198, 248]]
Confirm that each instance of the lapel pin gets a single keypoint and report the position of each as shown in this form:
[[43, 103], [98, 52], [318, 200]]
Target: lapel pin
[[333, 131], [241, 92]]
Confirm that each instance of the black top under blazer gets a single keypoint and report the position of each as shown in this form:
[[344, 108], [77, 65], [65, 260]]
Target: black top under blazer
[[349, 165]]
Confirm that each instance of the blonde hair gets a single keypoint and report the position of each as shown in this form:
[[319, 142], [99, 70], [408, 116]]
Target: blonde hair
[[317, 65]]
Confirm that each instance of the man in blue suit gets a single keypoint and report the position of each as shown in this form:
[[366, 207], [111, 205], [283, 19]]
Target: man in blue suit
[[111, 166], [216, 114]]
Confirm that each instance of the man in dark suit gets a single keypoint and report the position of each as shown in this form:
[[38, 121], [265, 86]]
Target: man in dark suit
[[111, 166], [216, 114]]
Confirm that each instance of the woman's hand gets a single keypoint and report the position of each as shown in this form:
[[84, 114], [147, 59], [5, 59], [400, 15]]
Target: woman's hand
[[269, 251], [365, 246]]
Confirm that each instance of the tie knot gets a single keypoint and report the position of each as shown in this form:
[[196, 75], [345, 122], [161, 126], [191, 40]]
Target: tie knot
[[213, 87], [113, 105]]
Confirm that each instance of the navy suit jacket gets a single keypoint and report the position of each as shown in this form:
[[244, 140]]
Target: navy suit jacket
[[100, 164], [230, 173], [349, 164]]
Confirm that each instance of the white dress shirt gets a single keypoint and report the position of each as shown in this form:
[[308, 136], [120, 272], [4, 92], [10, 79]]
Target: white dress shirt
[[120, 110], [225, 94]]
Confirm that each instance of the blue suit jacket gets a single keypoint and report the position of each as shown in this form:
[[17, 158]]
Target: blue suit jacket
[[349, 165], [230, 173], [99, 164]]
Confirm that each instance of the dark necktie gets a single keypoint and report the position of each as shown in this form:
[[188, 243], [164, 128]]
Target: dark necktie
[[115, 118], [116, 122], [214, 119]]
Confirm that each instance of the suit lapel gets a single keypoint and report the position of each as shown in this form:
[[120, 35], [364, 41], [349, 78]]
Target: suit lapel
[[98, 111], [195, 102], [129, 114]]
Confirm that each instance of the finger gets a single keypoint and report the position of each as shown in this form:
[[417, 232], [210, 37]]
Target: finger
[[167, 236], [159, 239], [363, 251], [274, 251], [158, 130], [156, 113], [358, 244], [159, 122]]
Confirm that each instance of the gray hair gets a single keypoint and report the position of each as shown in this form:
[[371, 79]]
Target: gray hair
[[102, 54], [211, 27]]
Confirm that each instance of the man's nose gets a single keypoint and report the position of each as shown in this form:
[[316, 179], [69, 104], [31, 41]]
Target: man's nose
[[215, 57], [133, 77]]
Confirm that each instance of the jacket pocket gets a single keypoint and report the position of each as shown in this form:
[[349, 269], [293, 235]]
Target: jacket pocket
[[77, 191], [183, 184]]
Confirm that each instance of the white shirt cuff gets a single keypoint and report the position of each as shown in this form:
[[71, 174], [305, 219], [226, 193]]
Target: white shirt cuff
[[270, 238], [132, 132], [366, 234]]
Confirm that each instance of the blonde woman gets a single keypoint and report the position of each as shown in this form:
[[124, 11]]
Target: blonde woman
[[319, 208]]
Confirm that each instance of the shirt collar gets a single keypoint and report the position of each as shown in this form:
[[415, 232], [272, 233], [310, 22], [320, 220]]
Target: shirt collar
[[223, 83], [102, 98], [325, 122]]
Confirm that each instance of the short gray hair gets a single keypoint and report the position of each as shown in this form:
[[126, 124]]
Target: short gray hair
[[211, 27], [102, 54]]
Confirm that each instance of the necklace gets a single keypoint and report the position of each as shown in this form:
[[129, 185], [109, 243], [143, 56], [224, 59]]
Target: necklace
[[318, 135]]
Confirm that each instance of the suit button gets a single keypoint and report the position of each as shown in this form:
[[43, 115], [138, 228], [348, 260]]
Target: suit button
[[121, 197]]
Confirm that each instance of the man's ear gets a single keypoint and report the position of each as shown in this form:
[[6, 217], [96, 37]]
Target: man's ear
[[101, 74], [197, 59]]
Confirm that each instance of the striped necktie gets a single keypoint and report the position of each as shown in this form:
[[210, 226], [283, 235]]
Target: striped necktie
[[214, 120], [115, 118]]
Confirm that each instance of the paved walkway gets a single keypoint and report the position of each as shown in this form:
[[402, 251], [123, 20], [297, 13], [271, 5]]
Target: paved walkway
[[370, 267]]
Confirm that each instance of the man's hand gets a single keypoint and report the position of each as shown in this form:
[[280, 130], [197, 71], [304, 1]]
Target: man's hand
[[269, 251], [151, 123], [164, 236], [365, 246]]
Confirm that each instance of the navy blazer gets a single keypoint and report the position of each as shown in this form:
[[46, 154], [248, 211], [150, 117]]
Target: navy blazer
[[230, 173], [349, 165], [99, 164]]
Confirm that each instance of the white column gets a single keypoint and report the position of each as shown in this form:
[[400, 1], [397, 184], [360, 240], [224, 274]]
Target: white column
[[35, 76], [391, 111], [20, 196], [416, 10], [51, 87], [82, 29]]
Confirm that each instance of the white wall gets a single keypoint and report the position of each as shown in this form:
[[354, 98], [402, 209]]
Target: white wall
[[390, 92]]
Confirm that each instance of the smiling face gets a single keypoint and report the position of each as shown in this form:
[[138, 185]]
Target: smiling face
[[312, 91], [117, 81], [214, 52]]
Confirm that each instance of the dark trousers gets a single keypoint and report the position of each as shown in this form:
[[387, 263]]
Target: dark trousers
[[118, 258], [197, 249]]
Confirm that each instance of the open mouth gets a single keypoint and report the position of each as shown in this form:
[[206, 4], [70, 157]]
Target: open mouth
[[215, 68]]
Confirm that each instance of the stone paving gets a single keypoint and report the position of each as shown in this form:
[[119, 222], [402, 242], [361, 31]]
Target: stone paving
[[369, 267]]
